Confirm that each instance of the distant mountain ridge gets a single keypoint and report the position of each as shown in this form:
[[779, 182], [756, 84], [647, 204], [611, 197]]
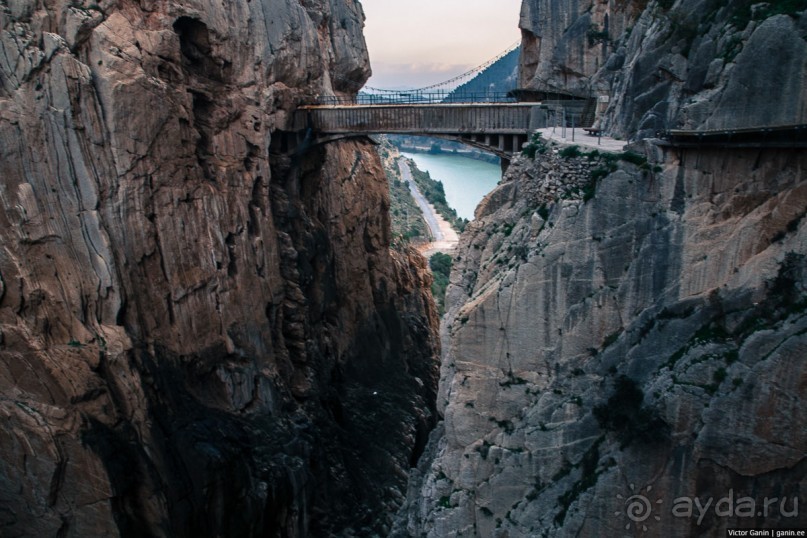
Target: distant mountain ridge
[[500, 77]]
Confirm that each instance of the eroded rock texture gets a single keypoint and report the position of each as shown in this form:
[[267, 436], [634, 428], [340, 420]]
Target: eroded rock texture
[[686, 275], [633, 324], [199, 334], [689, 281], [671, 64]]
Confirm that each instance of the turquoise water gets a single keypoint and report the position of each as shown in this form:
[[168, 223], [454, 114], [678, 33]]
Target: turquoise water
[[466, 181]]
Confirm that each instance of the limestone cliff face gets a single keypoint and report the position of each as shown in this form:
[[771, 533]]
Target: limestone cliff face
[[626, 334], [688, 277], [671, 64], [199, 335]]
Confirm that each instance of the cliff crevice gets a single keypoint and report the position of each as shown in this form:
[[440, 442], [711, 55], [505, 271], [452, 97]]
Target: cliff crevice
[[684, 64], [200, 337], [619, 322]]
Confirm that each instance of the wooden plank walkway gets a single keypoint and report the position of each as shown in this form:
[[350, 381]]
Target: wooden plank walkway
[[781, 136]]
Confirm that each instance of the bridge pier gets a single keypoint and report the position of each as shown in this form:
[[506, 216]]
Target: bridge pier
[[504, 164]]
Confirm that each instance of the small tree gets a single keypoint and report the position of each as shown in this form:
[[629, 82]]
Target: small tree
[[440, 263], [441, 269]]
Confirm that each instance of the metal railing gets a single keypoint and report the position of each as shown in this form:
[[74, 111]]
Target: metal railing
[[404, 97]]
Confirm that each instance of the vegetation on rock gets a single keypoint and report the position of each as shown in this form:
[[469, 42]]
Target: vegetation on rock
[[406, 216], [434, 192], [441, 269]]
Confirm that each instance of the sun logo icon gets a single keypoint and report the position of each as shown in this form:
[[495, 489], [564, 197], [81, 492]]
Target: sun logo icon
[[638, 508]]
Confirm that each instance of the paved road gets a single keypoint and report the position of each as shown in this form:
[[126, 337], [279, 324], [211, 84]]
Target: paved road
[[428, 212]]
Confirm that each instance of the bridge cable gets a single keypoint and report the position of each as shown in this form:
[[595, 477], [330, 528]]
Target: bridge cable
[[475, 71]]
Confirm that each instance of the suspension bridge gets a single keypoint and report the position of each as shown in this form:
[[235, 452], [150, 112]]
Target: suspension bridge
[[497, 122], [499, 127], [494, 121]]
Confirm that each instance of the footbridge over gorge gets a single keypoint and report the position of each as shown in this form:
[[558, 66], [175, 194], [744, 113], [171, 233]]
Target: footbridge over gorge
[[492, 120], [502, 123], [503, 128], [499, 122], [500, 128]]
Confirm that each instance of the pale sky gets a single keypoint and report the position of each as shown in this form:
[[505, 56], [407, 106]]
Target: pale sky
[[414, 43]]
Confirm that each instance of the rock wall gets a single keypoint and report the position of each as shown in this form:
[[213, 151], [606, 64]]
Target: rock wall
[[199, 335], [671, 64], [645, 336], [626, 334]]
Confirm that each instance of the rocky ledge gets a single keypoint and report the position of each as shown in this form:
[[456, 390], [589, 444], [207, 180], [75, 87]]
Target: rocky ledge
[[644, 335]]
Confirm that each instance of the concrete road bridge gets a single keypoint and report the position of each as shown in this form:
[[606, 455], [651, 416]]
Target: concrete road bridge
[[498, 125], [500, 128]]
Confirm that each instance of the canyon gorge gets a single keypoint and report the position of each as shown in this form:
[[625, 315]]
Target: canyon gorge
[[205, 333]]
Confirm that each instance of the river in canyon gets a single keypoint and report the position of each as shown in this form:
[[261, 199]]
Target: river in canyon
[[466, 181]]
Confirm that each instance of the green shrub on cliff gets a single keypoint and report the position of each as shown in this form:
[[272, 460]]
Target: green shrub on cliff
[[536, 145], [570, 152], [434, 192]]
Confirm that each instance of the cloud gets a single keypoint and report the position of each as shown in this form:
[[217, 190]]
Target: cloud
[[420, 42], [414, 74]]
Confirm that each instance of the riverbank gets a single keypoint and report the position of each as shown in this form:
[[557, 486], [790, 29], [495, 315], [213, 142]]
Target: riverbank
[[463, 182], [438, 146], [444, 237], [470, 154]]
